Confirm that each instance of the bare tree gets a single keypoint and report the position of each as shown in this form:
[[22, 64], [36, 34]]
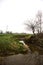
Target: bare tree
[[30, 26], [39, 21], [36, 24]]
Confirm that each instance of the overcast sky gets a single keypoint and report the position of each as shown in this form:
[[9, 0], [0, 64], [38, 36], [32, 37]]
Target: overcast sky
[[14, 13]]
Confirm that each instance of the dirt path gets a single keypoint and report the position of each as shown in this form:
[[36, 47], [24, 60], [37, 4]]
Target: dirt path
[[20, 59]]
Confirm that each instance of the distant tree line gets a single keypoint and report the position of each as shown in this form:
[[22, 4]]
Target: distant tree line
[[8, 32]]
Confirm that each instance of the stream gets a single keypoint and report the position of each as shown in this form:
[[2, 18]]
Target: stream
[[20, 59]]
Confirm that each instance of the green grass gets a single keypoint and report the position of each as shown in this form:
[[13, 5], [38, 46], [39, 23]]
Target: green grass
[[10, 45]]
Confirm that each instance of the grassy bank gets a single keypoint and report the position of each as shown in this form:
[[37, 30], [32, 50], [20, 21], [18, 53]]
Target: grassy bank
[[9, 44]]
